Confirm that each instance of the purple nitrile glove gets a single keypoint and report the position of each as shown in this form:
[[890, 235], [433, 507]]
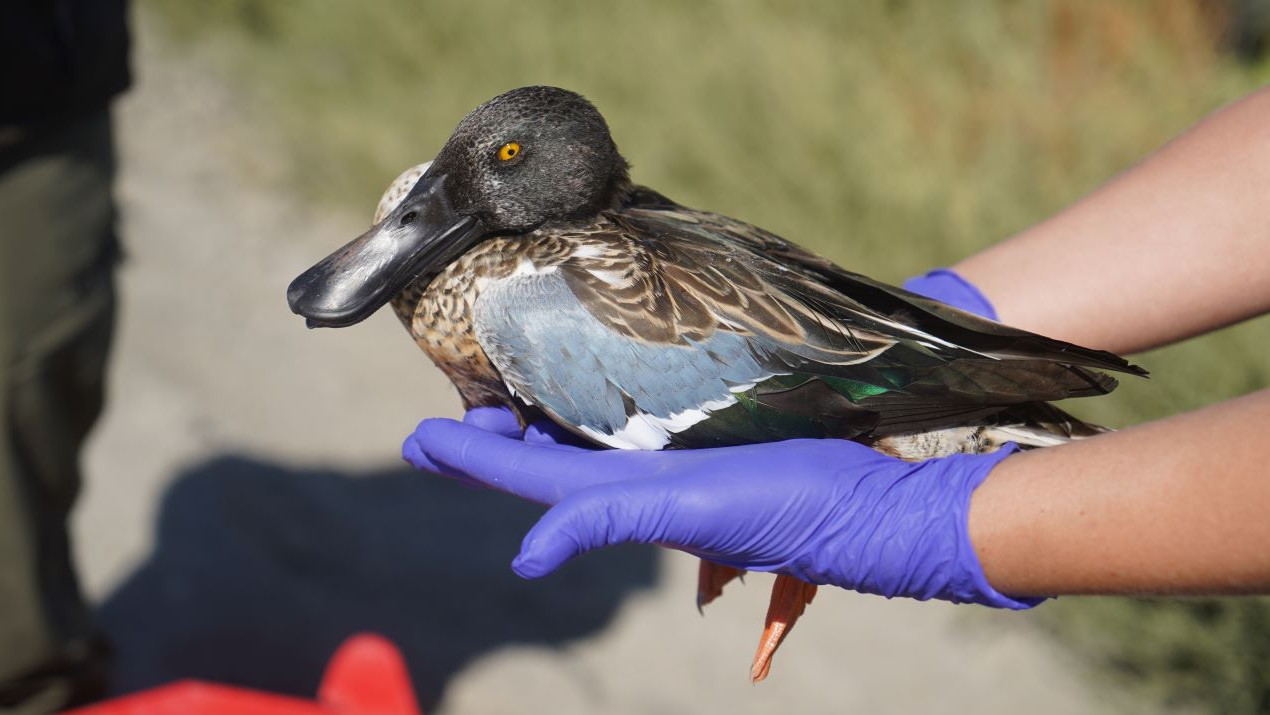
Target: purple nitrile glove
[[826, 511], [947, 286], [498, 421]]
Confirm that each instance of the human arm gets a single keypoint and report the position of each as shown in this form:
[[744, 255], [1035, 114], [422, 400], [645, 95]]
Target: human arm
[[1176, 506], [1174, 247]]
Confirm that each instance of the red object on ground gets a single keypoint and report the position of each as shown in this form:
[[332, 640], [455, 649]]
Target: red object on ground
[[366, 676]]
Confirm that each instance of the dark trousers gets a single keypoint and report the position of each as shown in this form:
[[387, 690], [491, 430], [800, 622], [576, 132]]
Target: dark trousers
[[57, 304]]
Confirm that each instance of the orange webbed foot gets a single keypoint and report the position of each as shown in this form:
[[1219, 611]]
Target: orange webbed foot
[[790, 597], [711, 578]]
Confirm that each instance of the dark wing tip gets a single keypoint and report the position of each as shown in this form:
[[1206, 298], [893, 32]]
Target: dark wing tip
[[1100, 359]]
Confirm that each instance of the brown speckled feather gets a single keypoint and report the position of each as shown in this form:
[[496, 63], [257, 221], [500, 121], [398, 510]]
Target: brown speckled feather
[[439, 314]]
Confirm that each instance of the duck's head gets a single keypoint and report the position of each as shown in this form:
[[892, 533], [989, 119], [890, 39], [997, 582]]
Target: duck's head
[[525, 158]]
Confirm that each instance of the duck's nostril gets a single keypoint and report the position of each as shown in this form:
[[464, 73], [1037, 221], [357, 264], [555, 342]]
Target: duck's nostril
[[408, 218]]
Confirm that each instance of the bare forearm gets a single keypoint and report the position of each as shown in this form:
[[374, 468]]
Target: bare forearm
[[1175, 506], [1174, 247]]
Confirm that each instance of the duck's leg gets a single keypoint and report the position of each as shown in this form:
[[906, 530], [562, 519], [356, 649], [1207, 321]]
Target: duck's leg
[[789, 599], [711, 578]]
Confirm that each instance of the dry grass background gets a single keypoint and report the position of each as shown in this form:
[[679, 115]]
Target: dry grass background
[[890, 136]]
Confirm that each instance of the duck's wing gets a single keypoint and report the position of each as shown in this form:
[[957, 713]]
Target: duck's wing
[[651, 213], [664, 328]]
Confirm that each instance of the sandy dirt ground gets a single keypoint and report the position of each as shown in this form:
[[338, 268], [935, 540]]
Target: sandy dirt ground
[[246, 508]]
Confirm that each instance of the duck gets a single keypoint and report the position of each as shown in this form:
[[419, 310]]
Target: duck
[[533, 272]]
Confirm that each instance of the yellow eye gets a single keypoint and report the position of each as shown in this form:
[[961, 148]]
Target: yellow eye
[[508, 151]]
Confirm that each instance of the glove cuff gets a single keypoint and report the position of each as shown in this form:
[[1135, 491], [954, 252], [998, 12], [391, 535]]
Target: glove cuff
[[972, 586], [946, 285]]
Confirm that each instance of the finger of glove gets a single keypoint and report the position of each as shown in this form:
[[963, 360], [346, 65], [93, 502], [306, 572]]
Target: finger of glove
[[621, 512], [545, 474], [552, 434], [499, 420], [948, 286], [414, 455]]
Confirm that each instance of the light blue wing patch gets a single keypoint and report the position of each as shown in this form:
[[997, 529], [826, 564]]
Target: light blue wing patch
[[626, 393]]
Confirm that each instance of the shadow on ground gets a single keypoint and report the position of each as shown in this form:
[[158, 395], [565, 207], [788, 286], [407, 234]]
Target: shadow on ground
[[260, 572]]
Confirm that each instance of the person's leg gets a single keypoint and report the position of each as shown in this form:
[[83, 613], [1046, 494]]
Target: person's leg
[[57, 256]]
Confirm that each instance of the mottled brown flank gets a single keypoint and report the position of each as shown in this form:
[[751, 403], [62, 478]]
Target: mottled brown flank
[[438, 314], [939, 443]]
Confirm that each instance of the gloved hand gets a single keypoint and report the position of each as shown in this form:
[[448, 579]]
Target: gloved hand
[[498, 421], [947, 286], [826, 511]]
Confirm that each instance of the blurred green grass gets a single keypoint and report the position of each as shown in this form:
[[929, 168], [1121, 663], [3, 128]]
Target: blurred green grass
[[889, 136]]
